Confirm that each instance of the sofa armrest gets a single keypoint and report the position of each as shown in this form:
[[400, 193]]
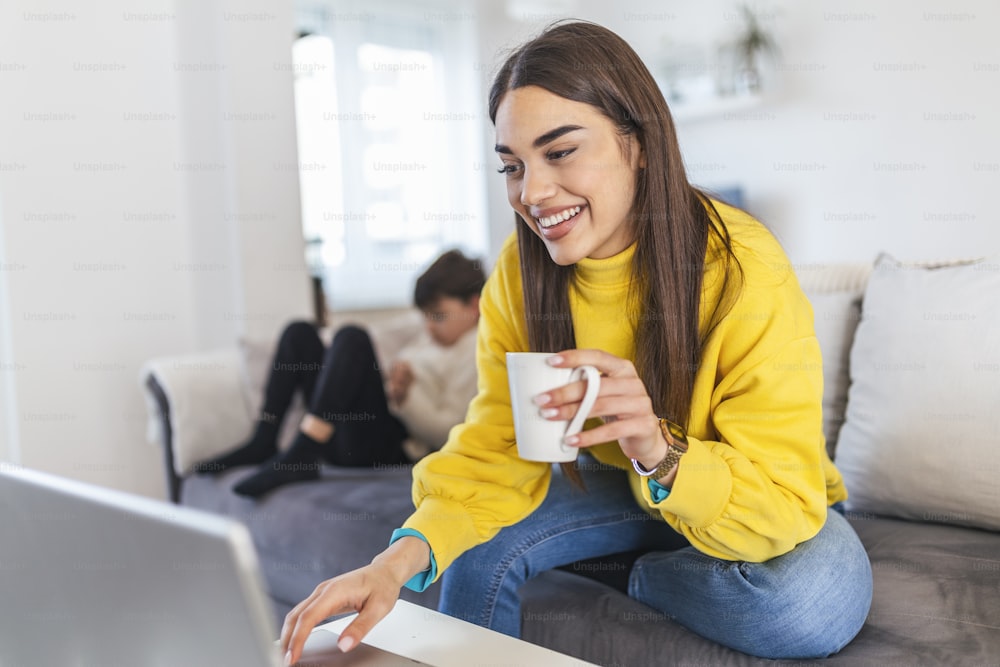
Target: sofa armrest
[[197, 406], [158, 432]]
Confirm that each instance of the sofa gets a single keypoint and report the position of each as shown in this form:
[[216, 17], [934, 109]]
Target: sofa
[[911, 366]]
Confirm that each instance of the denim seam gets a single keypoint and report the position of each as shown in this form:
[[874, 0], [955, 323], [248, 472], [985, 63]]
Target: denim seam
[[531, 541], [716, 564]]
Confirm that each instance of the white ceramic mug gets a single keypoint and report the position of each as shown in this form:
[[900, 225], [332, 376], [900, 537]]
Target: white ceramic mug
[[540, 439]]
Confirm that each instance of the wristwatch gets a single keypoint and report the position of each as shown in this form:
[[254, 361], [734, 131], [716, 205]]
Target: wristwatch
[[677, 445]]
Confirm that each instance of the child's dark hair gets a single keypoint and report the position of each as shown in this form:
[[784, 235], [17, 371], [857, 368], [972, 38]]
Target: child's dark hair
[[451, 275]]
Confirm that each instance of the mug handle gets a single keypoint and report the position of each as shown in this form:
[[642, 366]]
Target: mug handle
[[593, 387]]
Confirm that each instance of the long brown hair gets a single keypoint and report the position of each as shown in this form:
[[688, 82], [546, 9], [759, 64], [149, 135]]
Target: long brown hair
[[588, 63]]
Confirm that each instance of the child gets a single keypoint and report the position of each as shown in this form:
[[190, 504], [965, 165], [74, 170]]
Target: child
[[356, 417]]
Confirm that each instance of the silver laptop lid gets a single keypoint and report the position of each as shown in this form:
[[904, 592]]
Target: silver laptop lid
[[92, 576]]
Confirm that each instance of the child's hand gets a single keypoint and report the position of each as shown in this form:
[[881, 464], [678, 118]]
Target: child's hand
[[398, 384]]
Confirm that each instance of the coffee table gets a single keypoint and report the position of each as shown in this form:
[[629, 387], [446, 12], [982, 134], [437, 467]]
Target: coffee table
[[423, 634]]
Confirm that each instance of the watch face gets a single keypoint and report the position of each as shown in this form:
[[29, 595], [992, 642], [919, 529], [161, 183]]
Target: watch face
[[676, 433]]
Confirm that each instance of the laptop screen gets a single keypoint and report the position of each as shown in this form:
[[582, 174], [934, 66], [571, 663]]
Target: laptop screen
[[91, 576]]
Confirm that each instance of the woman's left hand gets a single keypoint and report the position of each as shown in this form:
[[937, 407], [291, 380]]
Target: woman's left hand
[[623, 402]]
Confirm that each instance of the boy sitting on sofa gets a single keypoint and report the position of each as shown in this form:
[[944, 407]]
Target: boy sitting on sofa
[[356, 416]]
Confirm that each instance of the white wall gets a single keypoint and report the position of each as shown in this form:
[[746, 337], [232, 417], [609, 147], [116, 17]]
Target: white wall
[[126, 238], [877, 132], [147, 209]]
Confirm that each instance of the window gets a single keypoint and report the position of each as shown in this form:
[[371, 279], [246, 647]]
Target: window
[[389, 118]]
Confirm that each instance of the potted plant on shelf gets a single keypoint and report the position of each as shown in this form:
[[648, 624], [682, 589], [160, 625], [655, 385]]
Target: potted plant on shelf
[[752, 40]]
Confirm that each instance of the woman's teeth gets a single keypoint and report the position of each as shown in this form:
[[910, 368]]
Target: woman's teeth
[[559, 217]]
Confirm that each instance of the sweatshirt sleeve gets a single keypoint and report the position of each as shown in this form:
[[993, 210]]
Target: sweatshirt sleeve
[[753, 483], [476, 485]]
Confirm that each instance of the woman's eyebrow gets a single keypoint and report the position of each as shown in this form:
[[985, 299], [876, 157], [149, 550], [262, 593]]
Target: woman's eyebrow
[[551, 135]]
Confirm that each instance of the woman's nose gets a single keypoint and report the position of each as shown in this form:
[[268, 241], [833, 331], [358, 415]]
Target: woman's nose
[[536, 186]]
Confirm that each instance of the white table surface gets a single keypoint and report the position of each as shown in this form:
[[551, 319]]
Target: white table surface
[[426, 635]]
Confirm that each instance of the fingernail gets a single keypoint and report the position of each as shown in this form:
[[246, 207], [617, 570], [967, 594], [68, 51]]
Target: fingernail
[[548, 412], [572, 439], [345, 644], [554, 360], [541, 399], [288, 659]]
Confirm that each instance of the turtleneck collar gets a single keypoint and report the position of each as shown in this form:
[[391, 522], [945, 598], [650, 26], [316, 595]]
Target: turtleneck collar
[[611, 272]]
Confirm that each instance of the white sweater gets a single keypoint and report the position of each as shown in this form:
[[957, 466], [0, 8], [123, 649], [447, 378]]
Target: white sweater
[[444, 382]]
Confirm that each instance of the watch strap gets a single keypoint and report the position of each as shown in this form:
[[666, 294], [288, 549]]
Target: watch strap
[[677, 445]]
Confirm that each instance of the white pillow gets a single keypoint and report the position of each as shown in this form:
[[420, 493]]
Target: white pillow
[[922, 435]]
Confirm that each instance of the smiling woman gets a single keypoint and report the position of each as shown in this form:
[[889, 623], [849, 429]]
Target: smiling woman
[[708, 416]]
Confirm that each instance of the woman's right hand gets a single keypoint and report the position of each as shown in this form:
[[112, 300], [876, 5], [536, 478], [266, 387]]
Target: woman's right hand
[[371, 591]]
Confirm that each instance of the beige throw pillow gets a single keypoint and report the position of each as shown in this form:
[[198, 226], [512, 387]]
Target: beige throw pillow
[[921, 438]]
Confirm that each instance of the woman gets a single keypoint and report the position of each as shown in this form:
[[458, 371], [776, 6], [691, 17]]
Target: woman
[[710, 406]]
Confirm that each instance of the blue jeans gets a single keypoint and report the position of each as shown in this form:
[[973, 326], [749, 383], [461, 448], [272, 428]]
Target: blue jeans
[[807, 603]]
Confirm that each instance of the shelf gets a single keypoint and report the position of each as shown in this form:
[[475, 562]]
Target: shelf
[[712, 107]]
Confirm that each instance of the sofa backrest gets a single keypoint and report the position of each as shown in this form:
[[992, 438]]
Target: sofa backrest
[[390, 330], [835, 291]]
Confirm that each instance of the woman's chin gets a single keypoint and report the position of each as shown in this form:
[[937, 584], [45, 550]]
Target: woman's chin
[[562, 256]]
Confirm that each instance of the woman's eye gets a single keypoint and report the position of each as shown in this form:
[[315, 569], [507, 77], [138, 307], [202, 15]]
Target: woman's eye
[[508, 169], [558, 155]]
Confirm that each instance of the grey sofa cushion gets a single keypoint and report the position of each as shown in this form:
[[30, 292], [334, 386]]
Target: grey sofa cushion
[[306, 533], [936, 602], [937, 593]]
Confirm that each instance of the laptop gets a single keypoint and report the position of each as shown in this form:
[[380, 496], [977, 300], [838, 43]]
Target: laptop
[[94, 576]]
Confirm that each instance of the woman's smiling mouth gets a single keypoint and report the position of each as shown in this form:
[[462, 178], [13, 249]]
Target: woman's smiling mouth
[[562, 216], [556, 225]]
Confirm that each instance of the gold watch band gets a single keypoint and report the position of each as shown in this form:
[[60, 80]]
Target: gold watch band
[[677, 445]]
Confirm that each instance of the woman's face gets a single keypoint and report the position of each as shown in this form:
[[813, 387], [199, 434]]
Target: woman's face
[[568, 176]]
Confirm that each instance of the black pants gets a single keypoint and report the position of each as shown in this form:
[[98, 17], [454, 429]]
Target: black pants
[[342, 385]]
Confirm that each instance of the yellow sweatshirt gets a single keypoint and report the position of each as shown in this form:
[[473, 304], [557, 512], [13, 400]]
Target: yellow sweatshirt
[[756, 479]]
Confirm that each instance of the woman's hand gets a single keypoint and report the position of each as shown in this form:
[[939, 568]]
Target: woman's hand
[[398, 384], [371, 591], [623, 402]]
